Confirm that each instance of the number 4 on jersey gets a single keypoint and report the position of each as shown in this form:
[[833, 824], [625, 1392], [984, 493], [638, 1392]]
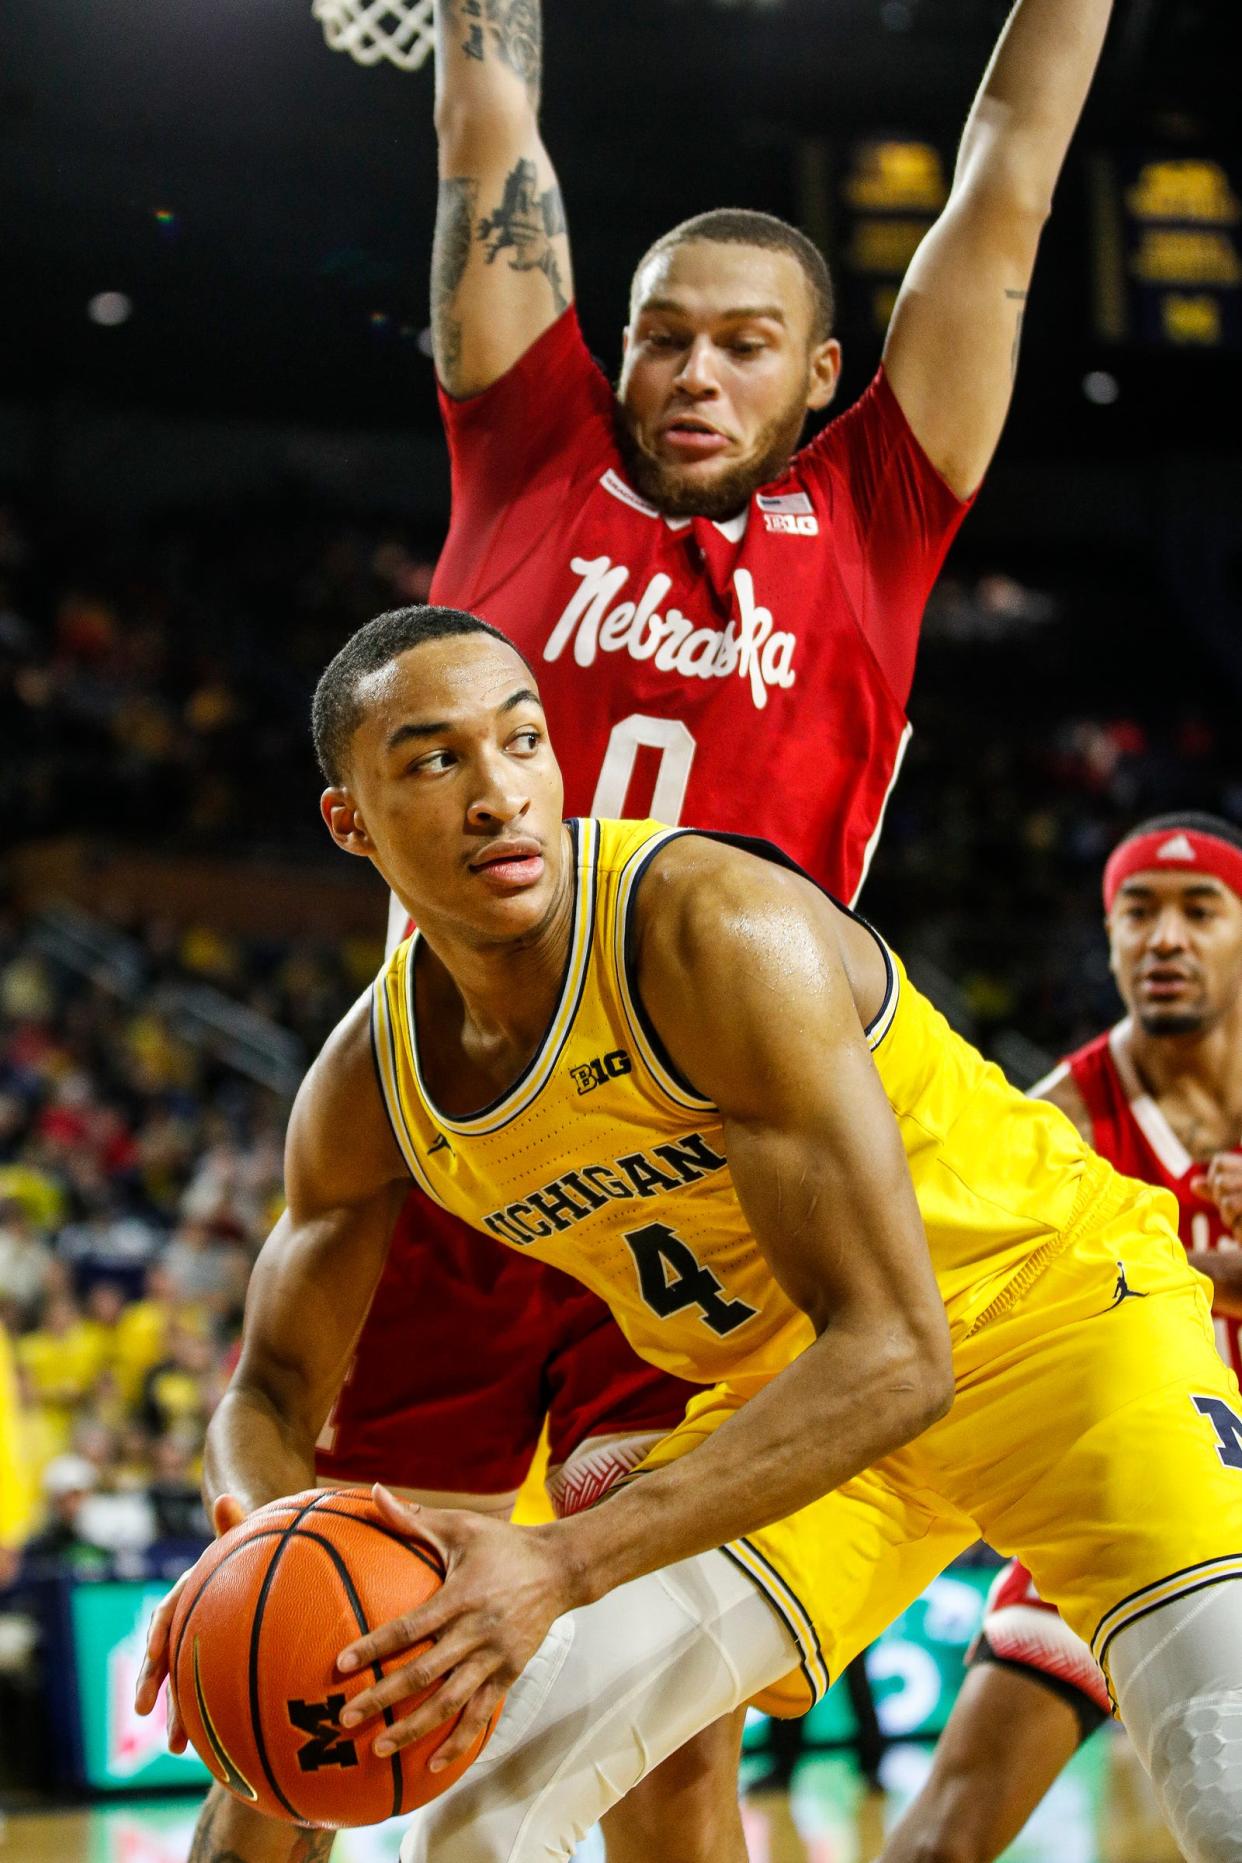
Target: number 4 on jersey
[[670, 1278], [1228, 1426]]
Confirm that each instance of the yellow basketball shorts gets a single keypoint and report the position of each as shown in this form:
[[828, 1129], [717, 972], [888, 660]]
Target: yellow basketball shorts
[[1095, 1433]]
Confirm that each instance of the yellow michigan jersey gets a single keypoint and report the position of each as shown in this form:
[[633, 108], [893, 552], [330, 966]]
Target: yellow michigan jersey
[[601, 1160]]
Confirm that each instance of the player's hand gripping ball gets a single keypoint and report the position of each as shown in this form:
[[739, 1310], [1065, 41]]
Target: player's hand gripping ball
[[253, 1661]]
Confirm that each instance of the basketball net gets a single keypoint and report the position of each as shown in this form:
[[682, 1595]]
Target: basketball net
[[402, 31]]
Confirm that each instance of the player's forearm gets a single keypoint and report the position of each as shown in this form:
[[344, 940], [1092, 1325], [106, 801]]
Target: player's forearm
[[850, 1399], [1223, 1268], [255, 1452], [1030, 101], [489, 68]]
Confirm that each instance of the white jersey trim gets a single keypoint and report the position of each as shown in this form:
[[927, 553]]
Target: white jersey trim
[[878, 830], [1043, 1088], [1147, 1114]]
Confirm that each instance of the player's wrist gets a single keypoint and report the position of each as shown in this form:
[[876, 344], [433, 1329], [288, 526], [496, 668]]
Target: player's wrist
[[580, 1553]]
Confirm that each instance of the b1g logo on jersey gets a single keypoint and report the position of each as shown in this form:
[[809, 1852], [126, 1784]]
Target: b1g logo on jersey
[[605, 1067], [789, 514]]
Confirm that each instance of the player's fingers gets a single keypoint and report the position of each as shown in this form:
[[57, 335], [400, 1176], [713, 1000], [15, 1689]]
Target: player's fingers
[[471, 1724], [400, 1633], [420, 1523], [177, 1737], [448, 1700], [155, 1662], [412, 1678], [227, 1513]]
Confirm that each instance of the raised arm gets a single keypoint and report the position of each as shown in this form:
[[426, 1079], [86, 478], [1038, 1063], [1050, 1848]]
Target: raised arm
[[314, 1278], [952, 347], [500, 267]]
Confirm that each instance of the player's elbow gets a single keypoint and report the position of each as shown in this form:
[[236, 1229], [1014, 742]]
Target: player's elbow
[[926, 1384], [1006, 204], [472, 138]]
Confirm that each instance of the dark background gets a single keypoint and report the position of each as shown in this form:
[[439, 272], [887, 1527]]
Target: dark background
[[291, 281]]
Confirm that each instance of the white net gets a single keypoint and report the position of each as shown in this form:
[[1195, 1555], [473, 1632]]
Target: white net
[[402, 31]]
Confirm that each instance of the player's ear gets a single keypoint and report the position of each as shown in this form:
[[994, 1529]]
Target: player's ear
[[344, 822], [825, 373]]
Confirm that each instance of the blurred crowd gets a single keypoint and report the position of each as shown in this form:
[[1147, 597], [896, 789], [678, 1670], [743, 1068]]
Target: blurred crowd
[[156, 678], [138, 1178], [154, 682]]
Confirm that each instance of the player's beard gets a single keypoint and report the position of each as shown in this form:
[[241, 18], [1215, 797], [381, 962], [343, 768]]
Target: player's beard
[[1166, 1022], [677, 492]]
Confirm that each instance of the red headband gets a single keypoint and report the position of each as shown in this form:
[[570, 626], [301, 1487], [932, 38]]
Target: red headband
[[1175, 850]]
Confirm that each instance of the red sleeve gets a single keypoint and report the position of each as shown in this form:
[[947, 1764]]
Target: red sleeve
[[514, 449], [904, 517]]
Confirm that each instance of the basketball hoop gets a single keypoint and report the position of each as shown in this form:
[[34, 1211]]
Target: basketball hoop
[[402, 31]]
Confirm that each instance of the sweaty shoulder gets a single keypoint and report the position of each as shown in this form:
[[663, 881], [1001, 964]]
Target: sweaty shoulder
[[339, 1148], [1062, 1090], [713, 919]]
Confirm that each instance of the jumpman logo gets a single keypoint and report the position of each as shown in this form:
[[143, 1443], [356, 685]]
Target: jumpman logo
[[1123, 1290]]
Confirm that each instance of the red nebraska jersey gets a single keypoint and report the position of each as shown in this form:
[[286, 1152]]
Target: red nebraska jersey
[[1129, 1129], [749, 675]]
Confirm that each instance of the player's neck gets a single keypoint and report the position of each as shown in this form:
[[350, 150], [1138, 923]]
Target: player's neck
[[1201, 1072], [487, 1002]]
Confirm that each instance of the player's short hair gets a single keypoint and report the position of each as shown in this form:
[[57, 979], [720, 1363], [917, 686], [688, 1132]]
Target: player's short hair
[[745, 226], [1192, 821], [336, 710]]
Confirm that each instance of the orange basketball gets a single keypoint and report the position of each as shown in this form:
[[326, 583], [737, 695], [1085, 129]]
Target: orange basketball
[[253, 1653]]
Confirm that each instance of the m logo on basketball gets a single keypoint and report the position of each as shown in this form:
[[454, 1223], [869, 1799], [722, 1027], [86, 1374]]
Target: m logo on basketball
[[326, 1746]]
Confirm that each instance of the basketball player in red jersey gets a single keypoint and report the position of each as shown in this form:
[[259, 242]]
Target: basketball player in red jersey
[[1160, 1096], [686, 584]]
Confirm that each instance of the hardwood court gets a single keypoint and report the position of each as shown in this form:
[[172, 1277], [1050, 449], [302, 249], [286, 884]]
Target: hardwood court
[[1101, 1811]]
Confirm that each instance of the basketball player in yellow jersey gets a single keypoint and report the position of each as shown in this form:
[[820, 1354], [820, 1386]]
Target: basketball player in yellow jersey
[[678, 1069]]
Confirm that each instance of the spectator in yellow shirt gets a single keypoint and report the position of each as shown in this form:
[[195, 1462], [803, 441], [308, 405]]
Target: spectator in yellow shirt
[[15, 1498]]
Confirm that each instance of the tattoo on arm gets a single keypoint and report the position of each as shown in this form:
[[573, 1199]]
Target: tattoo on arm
[[449, 258], [204, 1849], [525, 223], [1017, 297], [305, 1846], [312, 1847], [511, 29], [518, 37]]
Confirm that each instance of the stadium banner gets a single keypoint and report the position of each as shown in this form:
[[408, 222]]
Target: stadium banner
[[1167, 251], [891, 190], [119, 1751]]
